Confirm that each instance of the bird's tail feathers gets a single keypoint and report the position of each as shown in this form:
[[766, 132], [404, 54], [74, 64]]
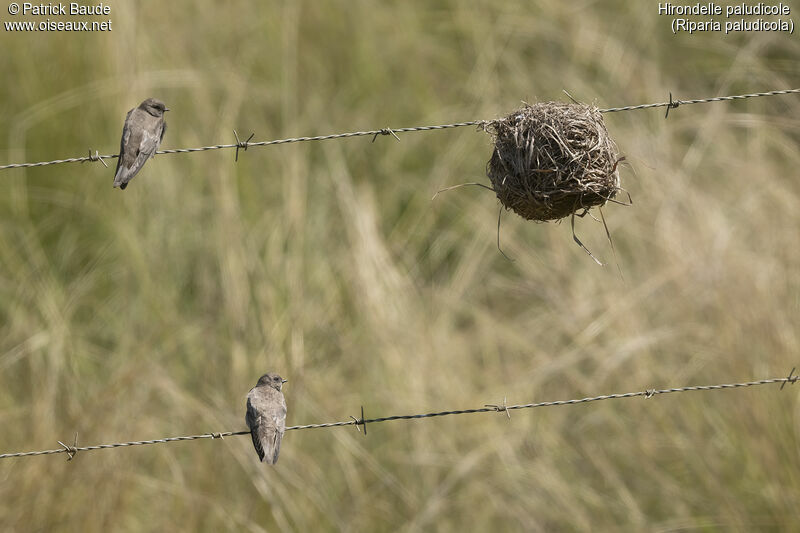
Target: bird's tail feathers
[[120, 179], [269, 459]]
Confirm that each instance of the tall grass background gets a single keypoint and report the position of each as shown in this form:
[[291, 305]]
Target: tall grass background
[[151, 312]]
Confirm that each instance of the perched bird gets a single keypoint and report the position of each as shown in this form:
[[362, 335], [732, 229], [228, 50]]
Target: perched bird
[[141, 135], [266, 416]]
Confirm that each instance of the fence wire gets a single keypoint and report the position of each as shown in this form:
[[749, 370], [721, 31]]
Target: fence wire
[[671, 104], [362, 422]]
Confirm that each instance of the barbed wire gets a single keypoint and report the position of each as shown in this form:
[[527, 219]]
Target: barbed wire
[[672, 104], [362, 421]]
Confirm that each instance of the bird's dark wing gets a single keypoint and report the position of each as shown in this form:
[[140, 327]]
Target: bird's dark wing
[[126, 135], [253, 419]]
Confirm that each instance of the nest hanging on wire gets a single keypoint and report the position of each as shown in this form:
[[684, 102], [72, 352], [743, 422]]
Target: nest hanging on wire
[[552, 160]]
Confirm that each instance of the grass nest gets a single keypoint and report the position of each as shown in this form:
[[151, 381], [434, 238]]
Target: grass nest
[[552, 160]]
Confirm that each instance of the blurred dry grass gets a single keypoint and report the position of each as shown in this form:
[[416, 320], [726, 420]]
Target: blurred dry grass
[[152, 312]]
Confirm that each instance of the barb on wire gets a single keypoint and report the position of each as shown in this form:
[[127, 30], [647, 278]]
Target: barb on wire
[[241, 144], [71, 450], [672, 104], [95, 157], [790, 379], [503, 408], [386, 131], [360, 421]]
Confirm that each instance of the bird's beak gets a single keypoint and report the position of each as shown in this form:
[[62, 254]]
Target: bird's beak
[[166, 109], [284, 380]]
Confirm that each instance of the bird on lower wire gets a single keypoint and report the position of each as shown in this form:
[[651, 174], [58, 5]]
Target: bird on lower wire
[[141, 136], [266, 416]]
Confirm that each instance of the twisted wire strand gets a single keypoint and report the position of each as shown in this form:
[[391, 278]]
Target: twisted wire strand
[[387, 131], [676, 103], [247, 144], [72, 450]]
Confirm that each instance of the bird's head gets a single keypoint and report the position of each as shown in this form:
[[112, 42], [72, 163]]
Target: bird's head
[[154, 107], [272, 379]]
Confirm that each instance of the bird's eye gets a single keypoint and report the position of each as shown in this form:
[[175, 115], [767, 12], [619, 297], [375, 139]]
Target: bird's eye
[[275, 378]]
